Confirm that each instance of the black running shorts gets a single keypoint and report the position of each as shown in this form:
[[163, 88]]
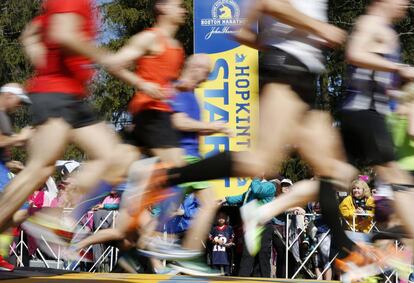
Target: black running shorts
[[154, 129], [366, 138], [76, 112], [277, 66]]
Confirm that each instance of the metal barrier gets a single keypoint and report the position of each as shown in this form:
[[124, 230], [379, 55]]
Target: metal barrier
[[302, 263], [110, 253], [289, 244]]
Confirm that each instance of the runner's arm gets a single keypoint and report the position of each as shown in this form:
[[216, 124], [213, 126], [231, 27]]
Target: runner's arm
[[284, 11], [13, 140], [138, 46], [33, 47], [182, 122], [246, 35], [358, 51], [65, 30]]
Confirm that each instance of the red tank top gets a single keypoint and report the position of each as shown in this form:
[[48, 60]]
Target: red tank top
[[64, 72], [161, 69]]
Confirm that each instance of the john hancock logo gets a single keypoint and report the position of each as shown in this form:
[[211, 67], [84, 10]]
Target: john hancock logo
[[224, 15]]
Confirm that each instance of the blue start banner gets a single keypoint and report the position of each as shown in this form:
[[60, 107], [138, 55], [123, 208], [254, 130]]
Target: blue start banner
[[231, 93]]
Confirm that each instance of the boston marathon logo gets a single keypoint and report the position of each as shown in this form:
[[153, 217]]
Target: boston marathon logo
[[224, 15]]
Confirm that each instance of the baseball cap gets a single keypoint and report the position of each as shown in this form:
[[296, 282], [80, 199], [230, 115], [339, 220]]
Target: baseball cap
[[18, 91], [67, 166], [287, 181]]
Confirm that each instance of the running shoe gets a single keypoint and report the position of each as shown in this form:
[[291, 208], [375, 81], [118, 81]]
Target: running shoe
[[160, 249], [197, 267], [54, 236], [361, 273], [166, 271], [44, 227], [363, 255], [5, 266], [401, 262], [252, 228], [370, 261], [411, 278], [354, 259]]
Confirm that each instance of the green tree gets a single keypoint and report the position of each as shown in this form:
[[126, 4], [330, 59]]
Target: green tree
[[295, 169], [13, 17], [14, 67]]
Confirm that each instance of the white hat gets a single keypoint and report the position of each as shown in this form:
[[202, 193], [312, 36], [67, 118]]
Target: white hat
[[287, 181], [18, 91], [67, 166]]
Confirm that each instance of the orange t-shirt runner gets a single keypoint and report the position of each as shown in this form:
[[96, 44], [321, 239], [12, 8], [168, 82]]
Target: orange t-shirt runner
[[161, 69], [64, 72]]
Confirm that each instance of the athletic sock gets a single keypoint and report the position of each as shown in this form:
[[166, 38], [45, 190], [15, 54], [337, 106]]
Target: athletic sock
[[215, 167], [91, 199], [331, 216]]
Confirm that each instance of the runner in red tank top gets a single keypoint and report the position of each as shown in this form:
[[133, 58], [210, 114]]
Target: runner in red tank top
[[60, 46]]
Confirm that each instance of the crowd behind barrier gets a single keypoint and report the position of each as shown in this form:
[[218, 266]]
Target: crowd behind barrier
[[296, 244], [300, 245]]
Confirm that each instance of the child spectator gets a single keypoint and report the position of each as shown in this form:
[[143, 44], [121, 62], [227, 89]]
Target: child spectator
[[222, 237]]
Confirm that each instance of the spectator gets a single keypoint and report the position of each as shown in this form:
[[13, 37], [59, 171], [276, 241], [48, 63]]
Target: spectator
[[317, 229], [359, 206], [222, 237], [110, 202], [67, 190], [37, 199], [183, 216], [279, 236], [102, 217], [258, 266], [67, 195], [51, 192], [12, 95]]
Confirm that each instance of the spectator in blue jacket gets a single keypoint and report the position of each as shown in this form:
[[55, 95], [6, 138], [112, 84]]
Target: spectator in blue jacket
[[183, 216]]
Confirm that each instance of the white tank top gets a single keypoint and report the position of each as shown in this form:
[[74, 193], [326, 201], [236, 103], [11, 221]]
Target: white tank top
[[304, 46]]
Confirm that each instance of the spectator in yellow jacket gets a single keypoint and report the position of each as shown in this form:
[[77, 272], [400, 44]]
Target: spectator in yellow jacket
[[359, 202]]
